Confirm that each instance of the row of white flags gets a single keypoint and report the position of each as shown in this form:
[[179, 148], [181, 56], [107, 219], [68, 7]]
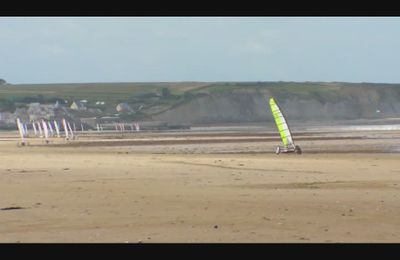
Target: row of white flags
[[121, 127], [48, 129]]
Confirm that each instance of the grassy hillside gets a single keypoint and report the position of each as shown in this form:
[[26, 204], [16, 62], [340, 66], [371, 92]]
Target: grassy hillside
[[221, 101], [324, 92], [111, 92], [125, 91]]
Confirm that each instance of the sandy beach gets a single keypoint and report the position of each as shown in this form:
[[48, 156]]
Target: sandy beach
[[221, 186]]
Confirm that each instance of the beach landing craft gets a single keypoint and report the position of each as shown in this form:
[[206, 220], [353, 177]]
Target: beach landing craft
[[284, 131]]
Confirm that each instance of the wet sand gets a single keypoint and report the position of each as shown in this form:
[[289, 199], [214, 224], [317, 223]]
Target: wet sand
[[188, 187]]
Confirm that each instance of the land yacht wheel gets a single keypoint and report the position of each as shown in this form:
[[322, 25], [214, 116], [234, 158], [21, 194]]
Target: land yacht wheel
[[297, 150], [278, 150]]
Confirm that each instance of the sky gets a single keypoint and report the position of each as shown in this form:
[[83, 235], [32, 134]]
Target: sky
[[161, 49]]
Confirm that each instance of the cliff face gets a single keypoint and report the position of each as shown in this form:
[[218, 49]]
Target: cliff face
[[218, 109], [330, 102]]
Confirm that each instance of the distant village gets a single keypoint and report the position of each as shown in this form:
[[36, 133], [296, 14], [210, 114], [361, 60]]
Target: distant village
[[76, 111], [88, 113]]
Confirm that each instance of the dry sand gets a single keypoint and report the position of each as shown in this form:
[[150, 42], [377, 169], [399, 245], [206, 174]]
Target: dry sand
[[344, 188]]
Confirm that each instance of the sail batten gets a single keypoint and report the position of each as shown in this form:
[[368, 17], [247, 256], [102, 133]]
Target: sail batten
[[281, 124]]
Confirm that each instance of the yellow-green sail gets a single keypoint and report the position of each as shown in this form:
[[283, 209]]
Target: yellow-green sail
[[281, 123]]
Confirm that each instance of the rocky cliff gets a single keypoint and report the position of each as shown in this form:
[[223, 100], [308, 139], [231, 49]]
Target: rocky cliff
[[299, 101]]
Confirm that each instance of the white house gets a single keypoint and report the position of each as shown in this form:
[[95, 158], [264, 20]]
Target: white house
[[78, 105]]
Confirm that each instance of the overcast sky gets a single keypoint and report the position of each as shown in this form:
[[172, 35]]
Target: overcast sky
[[125, 49]]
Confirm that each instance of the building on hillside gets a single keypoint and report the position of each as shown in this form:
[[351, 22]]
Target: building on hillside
[[37, 111], [123, 108], [58, 104], [78, 105]]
